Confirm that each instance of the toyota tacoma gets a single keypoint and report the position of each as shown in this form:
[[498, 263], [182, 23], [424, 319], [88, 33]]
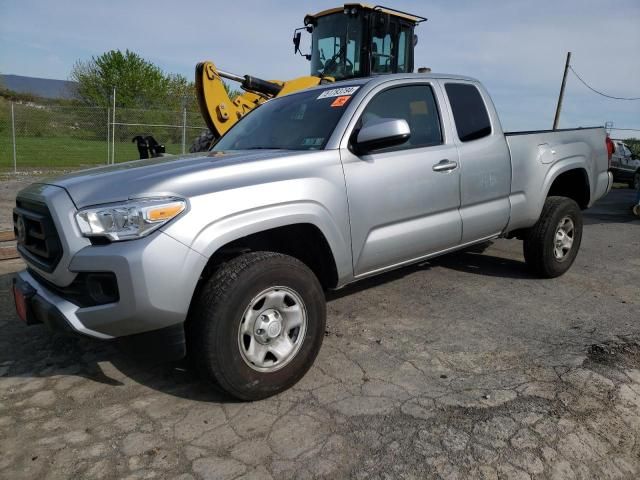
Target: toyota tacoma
[[225, 255]]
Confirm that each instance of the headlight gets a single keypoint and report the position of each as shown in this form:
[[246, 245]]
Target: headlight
[[129, 220]]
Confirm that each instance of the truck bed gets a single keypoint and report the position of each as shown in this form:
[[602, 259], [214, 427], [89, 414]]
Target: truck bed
[[540, 155]]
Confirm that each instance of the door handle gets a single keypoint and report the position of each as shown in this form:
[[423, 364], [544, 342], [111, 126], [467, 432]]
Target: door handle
[[444, 166]]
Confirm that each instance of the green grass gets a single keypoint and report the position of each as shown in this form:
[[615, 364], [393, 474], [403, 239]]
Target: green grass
[[65, 152], [54, 137]]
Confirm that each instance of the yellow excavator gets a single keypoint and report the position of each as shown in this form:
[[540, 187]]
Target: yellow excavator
[[355, 40]]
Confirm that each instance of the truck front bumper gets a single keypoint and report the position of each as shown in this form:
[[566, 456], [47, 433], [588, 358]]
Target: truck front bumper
[[35, 305], [156, 278]]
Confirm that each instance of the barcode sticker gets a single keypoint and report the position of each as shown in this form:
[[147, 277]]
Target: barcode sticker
[[338, 92]]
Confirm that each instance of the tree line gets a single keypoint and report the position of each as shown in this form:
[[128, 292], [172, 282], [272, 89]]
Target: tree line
[[138, 83]]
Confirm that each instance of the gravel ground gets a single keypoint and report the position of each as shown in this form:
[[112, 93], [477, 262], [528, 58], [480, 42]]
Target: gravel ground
[[462, 367]]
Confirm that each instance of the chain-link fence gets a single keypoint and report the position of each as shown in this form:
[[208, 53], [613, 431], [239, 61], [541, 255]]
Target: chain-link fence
[[45, 137]]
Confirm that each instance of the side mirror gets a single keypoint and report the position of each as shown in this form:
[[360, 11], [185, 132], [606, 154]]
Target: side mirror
[[297, 35], [382, 133]]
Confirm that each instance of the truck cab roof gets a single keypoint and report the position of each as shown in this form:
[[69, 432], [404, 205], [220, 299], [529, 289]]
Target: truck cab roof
[[376, 80]]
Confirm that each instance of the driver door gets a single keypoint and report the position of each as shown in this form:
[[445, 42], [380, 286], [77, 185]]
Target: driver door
[[401, 208]]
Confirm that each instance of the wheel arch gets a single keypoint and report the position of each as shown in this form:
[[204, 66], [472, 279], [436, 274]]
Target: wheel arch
[[571, 182], [304, 230], [266, 222], [568, 178], [304, 241]]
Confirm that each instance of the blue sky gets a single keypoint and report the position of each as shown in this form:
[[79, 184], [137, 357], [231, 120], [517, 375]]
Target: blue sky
[[517, 48]]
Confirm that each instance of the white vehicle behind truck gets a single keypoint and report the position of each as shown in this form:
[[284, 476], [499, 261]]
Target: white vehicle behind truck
[[226, 255]]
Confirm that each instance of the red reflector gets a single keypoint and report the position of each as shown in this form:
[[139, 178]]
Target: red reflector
[[21, 304]]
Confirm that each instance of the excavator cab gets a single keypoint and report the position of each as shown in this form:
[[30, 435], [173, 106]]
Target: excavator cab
[[354, 40], [359, 40]]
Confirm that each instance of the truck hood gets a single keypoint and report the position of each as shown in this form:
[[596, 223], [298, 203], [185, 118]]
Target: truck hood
[[183, 176]]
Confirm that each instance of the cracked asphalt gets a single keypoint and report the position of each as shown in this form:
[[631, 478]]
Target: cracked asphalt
[[462, 367]]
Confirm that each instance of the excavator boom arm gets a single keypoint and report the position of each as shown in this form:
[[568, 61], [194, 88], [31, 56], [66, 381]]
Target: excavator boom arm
[[220, 112]]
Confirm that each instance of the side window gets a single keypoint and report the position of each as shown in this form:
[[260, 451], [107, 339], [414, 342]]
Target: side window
[[469, 111], [414, 103]]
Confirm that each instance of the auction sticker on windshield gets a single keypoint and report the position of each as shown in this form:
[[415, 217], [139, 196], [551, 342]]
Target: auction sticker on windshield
[[340, 101], [338, 92]]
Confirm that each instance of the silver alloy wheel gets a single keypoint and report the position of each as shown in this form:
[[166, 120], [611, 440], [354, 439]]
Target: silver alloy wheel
[[563, 239], [272, 329]]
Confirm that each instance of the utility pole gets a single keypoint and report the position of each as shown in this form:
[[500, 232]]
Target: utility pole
[[556, 120], [608, 126]]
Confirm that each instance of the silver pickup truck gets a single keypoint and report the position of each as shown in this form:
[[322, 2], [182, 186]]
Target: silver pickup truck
[[226, 255]]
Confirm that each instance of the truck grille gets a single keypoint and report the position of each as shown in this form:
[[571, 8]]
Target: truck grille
[[36, 235]]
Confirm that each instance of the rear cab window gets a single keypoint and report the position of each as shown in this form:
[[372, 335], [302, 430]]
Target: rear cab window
[[469, 111]]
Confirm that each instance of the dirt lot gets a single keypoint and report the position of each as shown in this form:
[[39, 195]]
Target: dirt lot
[[8, 188], [462, 367]]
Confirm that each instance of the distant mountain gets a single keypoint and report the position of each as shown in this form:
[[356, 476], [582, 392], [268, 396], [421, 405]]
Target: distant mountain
[[41, 87]]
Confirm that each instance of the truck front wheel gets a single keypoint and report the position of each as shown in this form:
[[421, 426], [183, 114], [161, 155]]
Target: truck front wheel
[[257, 324], [551, 245]]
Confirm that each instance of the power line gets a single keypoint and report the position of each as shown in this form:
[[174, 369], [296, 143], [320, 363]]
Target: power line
[[598, 92], [626, 129]]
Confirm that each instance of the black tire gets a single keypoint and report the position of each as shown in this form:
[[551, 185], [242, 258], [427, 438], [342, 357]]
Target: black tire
[[539, 240], [215, 319], [203, 142]]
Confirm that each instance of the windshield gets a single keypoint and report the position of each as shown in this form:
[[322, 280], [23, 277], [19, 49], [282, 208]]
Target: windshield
[[302, 121], [335, 48]]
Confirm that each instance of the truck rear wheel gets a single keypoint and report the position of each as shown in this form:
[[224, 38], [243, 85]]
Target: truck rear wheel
[[551, 245], [257, 324]]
